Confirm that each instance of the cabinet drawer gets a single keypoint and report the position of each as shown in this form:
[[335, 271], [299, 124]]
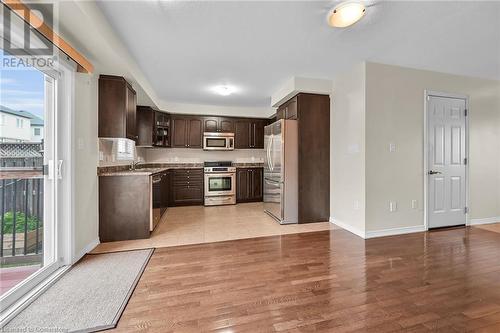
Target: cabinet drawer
[[188, 195], [179, 184], [188, 172]]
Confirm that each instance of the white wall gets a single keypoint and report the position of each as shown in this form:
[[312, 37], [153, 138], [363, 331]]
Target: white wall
[[347, 155], [376, 105], [86, 185], [395, 114]]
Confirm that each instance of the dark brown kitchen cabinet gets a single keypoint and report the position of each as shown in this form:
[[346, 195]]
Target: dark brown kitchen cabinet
[[186, 132], [186, 187], [312, 112], [145, 126], [218, 124], [153, 127], [249, 133], [117, 108], [249, 184], [124, 207], [288, 110], [162, 130]]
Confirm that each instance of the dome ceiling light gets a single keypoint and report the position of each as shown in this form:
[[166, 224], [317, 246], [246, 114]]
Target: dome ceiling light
[[346, 14]]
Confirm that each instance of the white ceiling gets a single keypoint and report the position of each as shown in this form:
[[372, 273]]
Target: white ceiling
[[186, 47]]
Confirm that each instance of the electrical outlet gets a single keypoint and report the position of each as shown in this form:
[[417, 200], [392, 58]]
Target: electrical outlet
[[414, 204], [392, 147], [393, 206], [356, 205]]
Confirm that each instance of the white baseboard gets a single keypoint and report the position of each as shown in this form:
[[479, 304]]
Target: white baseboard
[[377, 233], [487, 220], [395, 231], [358, 232], [90, 246]]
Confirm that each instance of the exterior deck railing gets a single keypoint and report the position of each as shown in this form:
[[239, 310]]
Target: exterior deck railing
[[21, 215]]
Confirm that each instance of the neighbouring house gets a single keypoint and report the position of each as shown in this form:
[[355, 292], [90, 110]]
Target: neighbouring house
[[20, 126]]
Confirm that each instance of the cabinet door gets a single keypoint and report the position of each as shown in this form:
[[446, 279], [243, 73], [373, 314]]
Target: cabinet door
[[130, 113], [242, 134], [258, 134], [194, 138], [291, 109], [179, 132], [257, 183], [211, 124], [280, 114], [226, 125], [145, 126], [242, 185]]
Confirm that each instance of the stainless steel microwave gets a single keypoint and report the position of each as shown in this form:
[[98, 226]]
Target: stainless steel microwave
[[218, 141]]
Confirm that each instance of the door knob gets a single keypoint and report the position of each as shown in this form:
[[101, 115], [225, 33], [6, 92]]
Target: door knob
[[432, 172]]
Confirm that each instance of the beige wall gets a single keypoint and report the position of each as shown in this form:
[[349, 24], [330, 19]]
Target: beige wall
[[347, 156], [395, 114], [86, 156]]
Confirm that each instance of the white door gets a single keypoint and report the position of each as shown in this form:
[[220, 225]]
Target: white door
[[446, 172]]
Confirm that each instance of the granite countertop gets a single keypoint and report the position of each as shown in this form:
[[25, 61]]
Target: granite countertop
[[145, 169], [149, 169]]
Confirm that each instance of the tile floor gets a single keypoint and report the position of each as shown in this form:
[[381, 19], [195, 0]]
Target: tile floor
[[199, 224]]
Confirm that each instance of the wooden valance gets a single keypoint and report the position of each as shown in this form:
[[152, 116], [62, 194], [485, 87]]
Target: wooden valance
[[23, 11]]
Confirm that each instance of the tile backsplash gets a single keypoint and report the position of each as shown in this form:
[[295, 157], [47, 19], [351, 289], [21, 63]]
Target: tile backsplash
[[180, 155]]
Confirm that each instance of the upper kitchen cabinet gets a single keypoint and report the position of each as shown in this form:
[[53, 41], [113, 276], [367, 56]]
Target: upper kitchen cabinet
[[288, 110], [153, 127], [186, 132], [218, 124], [249, 133], [117, 108]]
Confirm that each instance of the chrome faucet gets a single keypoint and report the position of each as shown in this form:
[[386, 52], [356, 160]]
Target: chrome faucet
[[134, 164]]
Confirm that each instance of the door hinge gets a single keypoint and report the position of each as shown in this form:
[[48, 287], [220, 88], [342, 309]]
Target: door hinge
[[465, 161], [466, 210], [465, 112]]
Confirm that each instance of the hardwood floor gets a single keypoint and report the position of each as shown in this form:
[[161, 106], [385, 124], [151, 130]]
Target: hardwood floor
[[328, 281]]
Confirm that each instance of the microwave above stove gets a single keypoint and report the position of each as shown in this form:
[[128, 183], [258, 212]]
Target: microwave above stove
[[218, 141]]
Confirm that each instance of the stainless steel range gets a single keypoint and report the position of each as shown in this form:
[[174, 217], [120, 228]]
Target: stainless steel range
[[220, 183]]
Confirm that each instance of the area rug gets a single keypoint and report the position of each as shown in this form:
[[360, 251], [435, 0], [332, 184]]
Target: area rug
[[90, 297]]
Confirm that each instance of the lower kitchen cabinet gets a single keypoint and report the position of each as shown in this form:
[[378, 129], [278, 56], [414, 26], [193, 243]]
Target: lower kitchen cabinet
[[186, 187], [249, 184], [124, 207]]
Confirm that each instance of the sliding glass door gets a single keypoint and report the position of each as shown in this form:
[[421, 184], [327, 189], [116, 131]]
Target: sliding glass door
[[29, 175]]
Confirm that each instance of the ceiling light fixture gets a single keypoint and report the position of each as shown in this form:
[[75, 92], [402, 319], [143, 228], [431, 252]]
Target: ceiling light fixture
[[224, 90], [346, 14]]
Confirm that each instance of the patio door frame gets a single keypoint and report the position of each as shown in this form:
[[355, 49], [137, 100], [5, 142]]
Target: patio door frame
[[62, 198]]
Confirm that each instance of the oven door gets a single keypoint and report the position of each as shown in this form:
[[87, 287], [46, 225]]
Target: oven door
[[217, 184]]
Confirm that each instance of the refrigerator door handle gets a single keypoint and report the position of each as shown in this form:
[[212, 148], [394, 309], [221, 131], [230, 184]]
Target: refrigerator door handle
[[269, 145]]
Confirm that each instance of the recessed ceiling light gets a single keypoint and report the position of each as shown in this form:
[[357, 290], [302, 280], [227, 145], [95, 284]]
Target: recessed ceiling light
[[224, 90], [346, 14]]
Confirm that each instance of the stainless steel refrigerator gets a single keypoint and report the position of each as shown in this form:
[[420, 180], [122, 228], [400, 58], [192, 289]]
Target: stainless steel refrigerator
[[281, 171]]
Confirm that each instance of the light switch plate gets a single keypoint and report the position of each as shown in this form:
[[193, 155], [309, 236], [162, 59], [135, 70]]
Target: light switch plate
[[414, 204], [393, 206], [392, 147]]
